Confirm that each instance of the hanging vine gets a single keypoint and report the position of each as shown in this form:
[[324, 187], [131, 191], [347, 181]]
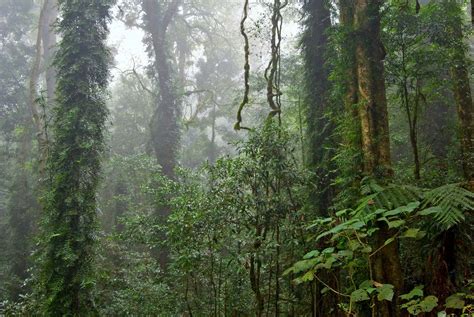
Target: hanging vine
[[245, 100], [272, 72]]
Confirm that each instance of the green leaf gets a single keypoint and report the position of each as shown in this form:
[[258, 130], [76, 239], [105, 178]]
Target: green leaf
[[416, 292], [412, 233], [366, 284], [301, 266], [396, 223], [354, 245], [429, 211], [385, 292], [429, 303], [308, 276], [404, 209], [328, 250], [455, 302], [346, 253], [341, 213], [311, 254], [367, 249], [359, 295], [388, 241]]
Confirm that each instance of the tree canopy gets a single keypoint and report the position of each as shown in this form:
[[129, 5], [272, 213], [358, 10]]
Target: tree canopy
[[244, 158]]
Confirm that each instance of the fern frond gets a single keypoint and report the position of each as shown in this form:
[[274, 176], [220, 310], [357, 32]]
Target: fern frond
[[448, 204], [388, 197]]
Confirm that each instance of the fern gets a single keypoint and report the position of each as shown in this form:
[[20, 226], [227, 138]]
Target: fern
[[386, 197], [448, 204]]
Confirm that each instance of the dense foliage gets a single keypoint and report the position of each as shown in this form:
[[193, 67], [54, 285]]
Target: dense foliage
[[69, 222], [347, 189]]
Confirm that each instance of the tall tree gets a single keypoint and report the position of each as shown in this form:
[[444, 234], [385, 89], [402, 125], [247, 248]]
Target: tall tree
[[373, 117], [45, 46], [66, 262], [320, 128], [463, 97], [164, 126], [449, 259], [164, 123], [458, 251]]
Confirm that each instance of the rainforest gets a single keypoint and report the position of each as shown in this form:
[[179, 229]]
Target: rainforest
[[237, 158]]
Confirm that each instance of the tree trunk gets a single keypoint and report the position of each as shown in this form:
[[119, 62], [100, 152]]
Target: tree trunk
[[48, 38], [320, 130], [66, 276], [462, 94], [319, 127], [164, 123], [465, 109], [36, 112], [375, 137]]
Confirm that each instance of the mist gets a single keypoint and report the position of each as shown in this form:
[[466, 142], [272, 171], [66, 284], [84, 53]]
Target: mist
[[236, 158]]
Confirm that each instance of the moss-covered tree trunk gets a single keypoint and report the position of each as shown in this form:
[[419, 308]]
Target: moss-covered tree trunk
[[373, 116], [346, 15], [67, 276], [350, 123]]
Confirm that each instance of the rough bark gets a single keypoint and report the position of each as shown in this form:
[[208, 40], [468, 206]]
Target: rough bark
[[465, 109], [375, 137], [371, 88], [352, 139]]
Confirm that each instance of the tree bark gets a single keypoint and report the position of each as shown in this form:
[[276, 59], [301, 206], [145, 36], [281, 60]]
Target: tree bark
[[373, 116], [164, 123], [465, 109], [319, 127]]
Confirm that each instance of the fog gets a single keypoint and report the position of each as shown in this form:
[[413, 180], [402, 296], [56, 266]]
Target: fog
[[236, 158]]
